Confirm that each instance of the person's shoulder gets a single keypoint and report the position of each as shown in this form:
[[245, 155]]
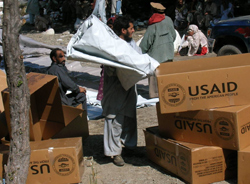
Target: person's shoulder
[[167, 18], [54, 67]]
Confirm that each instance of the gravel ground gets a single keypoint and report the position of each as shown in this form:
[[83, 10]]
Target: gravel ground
[[138, 168]]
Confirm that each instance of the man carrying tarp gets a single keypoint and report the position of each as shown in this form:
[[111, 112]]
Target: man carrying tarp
[[119, 105], [124, 67]]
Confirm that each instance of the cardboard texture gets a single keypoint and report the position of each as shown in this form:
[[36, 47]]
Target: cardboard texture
[[3, 85], [3, 123], [196, 164], [204, 83], [243, 166], [56, 161], [47, 116], [4, 152], [76, 123], [227, 127]]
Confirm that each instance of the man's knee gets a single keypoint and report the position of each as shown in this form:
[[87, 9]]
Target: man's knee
[[81, 98]]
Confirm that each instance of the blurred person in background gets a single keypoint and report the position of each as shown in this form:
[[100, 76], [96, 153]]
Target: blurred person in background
[[158, 41], [194, 43], [33, 10]]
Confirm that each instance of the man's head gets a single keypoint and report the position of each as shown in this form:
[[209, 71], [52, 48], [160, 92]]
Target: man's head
[[57, 56], [124, 27], [157, 7]]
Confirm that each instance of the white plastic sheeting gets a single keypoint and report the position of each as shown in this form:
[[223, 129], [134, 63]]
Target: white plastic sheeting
[[96, 42]]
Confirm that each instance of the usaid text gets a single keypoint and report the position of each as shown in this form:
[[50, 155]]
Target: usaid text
[[205, 89]]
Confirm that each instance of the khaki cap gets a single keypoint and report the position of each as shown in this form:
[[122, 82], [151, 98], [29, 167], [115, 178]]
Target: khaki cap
[[158, 7]]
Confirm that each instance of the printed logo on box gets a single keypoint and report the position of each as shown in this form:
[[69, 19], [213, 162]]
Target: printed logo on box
[[224, 128], [64, 165], [183, 163], [173, 94], [245, 128], [166, 155]]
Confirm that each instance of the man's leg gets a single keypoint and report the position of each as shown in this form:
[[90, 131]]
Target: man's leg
[[32, 18], [129, 132], [77, 99], [112, 135]]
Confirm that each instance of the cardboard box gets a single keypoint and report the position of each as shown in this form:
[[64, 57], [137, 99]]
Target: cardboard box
[[204, 83], [3, 85], [56, 161], [227, 127], [3, 123], [47, 116], [196, 164], [76, 123], [4, 153], [243, 166]]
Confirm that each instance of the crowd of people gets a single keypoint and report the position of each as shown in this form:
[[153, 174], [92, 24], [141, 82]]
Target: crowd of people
[[201, 13]]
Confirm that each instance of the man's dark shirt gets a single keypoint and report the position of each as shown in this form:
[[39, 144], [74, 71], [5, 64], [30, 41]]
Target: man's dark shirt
[[65, 82]]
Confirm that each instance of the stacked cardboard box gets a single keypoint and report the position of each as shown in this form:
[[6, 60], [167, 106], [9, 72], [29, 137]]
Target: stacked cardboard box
[[52, 160], [48, 117], [207, 102]]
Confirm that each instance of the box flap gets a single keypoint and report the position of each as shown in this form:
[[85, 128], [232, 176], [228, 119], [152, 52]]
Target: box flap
[[55, 143], [49, 128], [214, 63], [186, 145], [37, 80], [231, 109], [70, 113]]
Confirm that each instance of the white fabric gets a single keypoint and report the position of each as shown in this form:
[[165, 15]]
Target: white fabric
[[117, 131], [99, 10], [96, 42]]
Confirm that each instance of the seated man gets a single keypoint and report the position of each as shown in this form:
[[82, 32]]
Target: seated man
[[57, 68]]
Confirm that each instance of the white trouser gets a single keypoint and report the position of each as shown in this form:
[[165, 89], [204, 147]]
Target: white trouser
[[113, 7], [117, 131]]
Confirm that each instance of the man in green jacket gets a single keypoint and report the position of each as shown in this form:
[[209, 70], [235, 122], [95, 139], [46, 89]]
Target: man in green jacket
[[158, 41]]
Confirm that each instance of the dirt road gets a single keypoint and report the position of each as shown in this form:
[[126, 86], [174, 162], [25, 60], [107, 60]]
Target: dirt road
[[138, 169]]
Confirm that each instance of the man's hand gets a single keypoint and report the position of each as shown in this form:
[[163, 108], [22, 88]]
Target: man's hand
[[82, 90]]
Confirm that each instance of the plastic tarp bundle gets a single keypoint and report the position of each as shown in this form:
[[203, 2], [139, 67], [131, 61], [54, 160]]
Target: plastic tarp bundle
[[96, 42]]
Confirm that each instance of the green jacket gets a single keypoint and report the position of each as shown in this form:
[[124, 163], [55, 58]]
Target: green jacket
[[158, 41]]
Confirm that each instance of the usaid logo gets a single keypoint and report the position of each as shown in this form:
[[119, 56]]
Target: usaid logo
[[224, 128], [64, 165], [173, 94]]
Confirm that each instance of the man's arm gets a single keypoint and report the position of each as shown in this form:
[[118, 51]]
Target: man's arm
[[147, 40], [66, 81]]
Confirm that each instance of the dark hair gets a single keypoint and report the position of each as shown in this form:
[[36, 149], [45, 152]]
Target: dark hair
[[53, 53], [120, 23]]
